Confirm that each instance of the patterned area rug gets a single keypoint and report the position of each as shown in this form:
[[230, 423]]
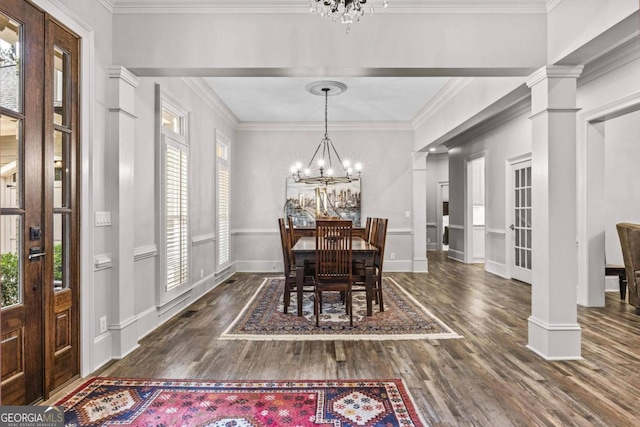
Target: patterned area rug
[[133, 402], [404, 317]]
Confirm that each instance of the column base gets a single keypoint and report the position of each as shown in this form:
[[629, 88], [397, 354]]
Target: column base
[[554, 342], [124, 338], [420, 265]]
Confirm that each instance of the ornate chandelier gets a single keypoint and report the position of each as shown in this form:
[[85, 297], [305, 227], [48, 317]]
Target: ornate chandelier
[[347, 11], [326, 151]]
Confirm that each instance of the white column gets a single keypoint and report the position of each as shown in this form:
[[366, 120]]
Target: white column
[[554, 332], [120, 150], [419, 180]]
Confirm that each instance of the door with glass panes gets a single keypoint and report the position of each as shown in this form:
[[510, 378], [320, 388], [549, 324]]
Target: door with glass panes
[[39, 214], [521, 221]]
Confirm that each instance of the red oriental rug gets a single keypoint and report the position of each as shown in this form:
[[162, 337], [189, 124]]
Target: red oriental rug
[[137, 402]]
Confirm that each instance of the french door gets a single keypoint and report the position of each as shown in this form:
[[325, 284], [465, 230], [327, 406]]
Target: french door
[[521, 221], [39, 203]]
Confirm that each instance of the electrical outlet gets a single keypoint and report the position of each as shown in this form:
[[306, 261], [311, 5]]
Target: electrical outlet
[[201, 273], [103, 324], [428, 239], [407, 214], [393, 255]]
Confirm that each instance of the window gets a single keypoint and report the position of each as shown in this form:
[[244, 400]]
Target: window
[[224, 227], [174, 200]]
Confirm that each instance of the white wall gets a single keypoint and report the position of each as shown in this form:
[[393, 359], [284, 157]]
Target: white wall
[[262, 161], [622, 189], [285, 43], [204, 122]]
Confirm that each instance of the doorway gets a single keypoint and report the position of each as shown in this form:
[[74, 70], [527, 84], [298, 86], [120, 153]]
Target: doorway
[[519, 202], [475, 212], [443, 216], [39, 204]]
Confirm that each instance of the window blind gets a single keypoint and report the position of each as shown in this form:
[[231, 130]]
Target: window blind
[[223, 214], [177, 216]]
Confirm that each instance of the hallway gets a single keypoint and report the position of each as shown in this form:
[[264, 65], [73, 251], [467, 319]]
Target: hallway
[[487, 378]]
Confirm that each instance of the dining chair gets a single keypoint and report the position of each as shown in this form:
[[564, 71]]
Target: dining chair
[[629, 235], [290, 280], [334, 256], [378, 239]]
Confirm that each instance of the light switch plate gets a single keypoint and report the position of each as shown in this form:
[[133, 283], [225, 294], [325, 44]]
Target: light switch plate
[[103, 219]]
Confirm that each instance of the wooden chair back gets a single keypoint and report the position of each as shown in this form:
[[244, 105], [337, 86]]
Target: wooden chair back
[[380, 242], [286, 248], [629, 235], [333, 250], [292, 237]]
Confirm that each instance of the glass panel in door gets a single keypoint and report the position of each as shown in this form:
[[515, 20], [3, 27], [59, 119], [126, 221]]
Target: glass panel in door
[[521, 222]]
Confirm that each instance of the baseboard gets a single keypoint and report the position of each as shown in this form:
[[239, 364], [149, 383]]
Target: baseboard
[[611, 284], [259, 266], [432, 246], [496, 268], [455, 255]]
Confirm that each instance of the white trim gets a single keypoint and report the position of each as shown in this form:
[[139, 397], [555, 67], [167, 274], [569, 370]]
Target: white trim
[[202, 239], [101, 262], [446, 94], [455, 255], [521, 107], [554, 71], [174, 302], [552, 4], [456, 227], [317, 127], [496, 268], [144, 252], [628, 52], [204, 91], [431, 225], [496, 232], [299, 8], [107, 4]]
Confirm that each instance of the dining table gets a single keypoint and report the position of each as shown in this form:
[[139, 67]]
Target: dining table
[[304, 251]]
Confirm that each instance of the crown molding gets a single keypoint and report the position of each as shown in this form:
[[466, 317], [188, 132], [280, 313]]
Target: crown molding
[[205, 92], [554, 71], [521, 107], [300, 7], [447, 93], [313, 127], [551, 4], [626, 53], [107, 4]]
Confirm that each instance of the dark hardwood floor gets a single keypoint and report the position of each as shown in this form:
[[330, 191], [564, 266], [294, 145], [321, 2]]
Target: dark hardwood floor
[[487, 378]]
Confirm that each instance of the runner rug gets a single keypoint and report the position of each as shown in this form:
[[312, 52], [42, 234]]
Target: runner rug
[[404, 317], [135, 402]]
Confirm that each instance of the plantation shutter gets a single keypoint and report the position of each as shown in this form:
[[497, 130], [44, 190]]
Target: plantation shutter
[[223, 214], [177, 215]]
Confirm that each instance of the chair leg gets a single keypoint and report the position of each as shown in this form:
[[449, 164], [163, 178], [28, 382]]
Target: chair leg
[[287, 297], [316, 306], [350, 308], [379, 295]]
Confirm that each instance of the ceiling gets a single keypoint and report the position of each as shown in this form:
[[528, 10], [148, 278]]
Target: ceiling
[[367, 99]]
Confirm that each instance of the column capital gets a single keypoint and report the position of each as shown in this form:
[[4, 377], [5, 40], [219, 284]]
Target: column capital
[[554, 71], [122, 73]]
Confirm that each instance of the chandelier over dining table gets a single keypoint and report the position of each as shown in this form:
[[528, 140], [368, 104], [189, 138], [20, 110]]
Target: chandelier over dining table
[[347, 11], [326, 152]]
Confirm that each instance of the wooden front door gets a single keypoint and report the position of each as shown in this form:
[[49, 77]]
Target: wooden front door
[[38, 204]]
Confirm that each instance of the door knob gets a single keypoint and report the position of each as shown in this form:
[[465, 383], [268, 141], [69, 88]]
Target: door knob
[[511, 227]]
